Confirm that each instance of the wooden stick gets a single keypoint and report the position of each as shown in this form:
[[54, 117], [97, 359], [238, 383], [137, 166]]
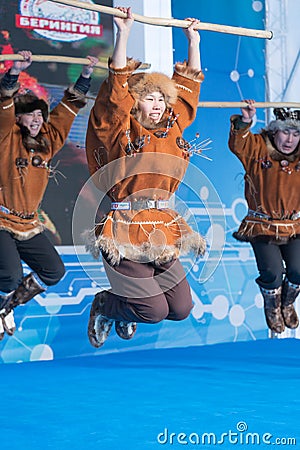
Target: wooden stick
[[60, 59], [244, 104], [170, 22]]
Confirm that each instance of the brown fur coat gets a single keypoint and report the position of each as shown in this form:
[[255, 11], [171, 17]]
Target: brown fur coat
[[125, 170], [268, 188]]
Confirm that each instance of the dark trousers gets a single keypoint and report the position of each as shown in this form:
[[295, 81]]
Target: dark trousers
[[38, 253], [273, 261], [143, 292]]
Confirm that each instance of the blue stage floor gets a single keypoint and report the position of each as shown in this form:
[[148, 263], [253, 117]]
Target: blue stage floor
[[236, 395]]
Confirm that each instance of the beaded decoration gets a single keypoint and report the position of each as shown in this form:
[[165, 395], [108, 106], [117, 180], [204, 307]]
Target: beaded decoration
[[98, 157], [134, 147], [194, 147], [264, 163], [170, 122], [37, 161], [287, 169], [284, 165]]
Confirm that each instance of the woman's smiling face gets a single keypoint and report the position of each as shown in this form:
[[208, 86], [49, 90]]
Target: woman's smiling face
[[33, 121], [152, 107]]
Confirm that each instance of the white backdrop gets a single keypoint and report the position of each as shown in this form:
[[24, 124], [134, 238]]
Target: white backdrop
[[283, 57]]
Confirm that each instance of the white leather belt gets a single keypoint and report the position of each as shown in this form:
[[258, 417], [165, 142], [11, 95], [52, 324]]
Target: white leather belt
[[138, 205]]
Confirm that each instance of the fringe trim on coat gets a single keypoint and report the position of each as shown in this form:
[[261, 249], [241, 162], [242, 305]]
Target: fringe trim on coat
[[254, 230], [189, 72], [9, 93], [144, 253], [131, 66], [23, 235], [77, 98]]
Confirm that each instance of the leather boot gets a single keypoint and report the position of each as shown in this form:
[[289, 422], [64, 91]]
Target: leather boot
[[289, 294], [125, 330], [99, 326], [28, 289], [8, 324], [2, 334], [272, 308]]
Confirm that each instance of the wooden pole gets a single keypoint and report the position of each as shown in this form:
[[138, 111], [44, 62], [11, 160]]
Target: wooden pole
[[61, 59], [244, 104], [84, 61], [170, 22]]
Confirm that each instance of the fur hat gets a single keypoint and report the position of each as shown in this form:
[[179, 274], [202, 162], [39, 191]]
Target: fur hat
[[284, 119], [142, 84], [28, 103]]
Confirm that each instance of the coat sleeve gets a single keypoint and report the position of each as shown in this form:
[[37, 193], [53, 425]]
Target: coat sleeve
[[188, 82], [62, 117], [243, 143], [7, 107], [110, 114], [7, 117]]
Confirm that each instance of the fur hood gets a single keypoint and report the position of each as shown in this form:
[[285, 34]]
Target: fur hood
[[28, 102], [142, 84], [285, 118]]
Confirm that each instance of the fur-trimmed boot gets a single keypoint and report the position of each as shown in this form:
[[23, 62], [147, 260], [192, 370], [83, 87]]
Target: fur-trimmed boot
[[272, 308], [8, 322], [99, 326], [28, 289], [126, 330], [290, 292], [7, 325]]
